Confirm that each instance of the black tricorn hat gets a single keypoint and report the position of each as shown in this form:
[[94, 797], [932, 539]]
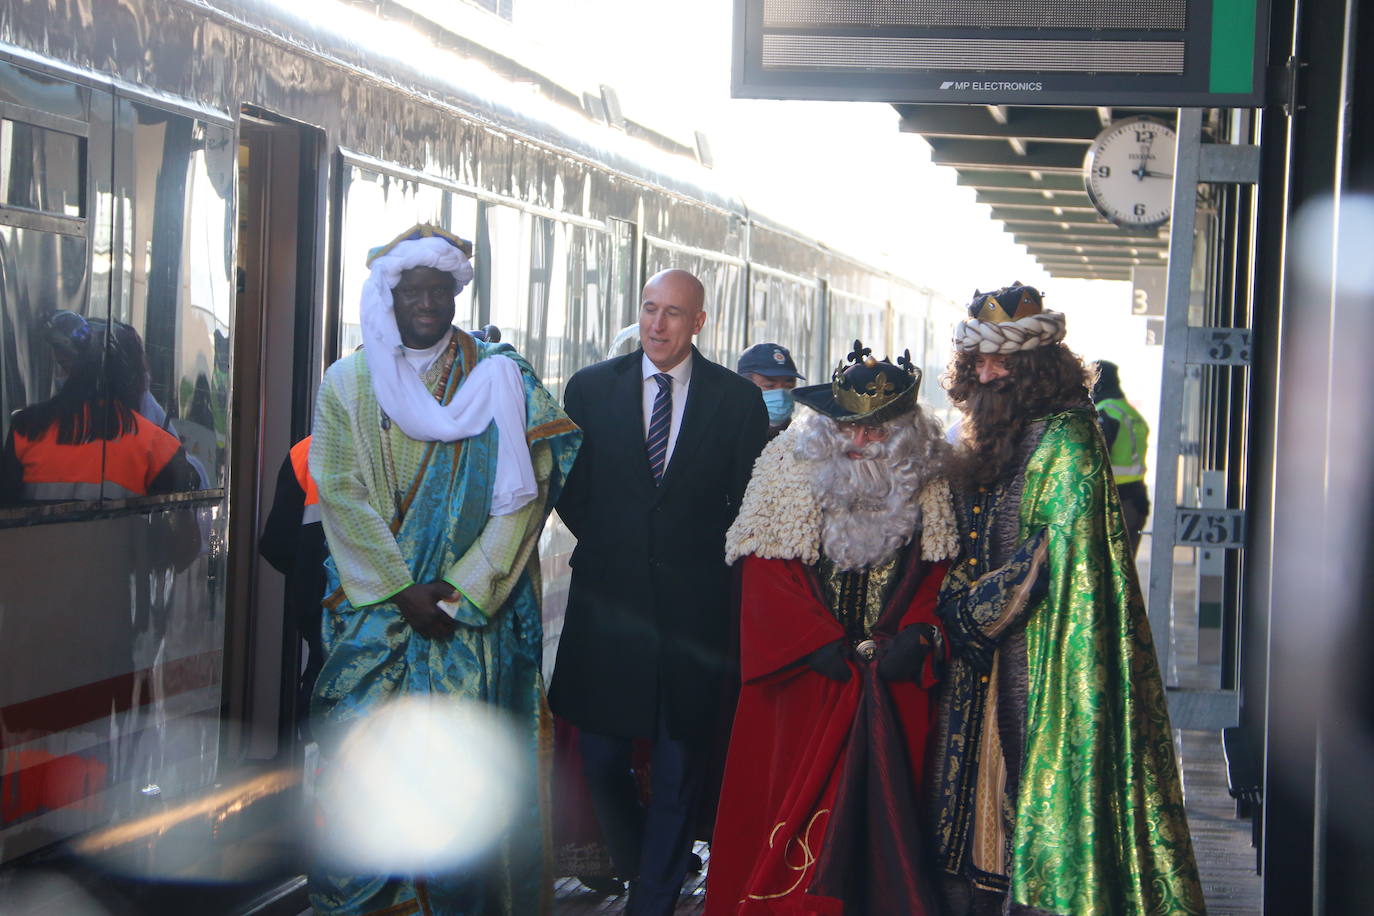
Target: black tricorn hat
[[865, 390]]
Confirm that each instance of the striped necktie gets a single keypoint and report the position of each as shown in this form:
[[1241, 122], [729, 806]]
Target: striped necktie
[[656, 443]]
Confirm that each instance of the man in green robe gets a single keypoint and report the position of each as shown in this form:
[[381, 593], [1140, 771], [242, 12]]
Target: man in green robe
[[437, 458], [1055, 788]]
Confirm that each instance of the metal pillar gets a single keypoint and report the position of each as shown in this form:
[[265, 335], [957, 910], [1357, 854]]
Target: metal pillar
[[1215, 528], [1187, 159]]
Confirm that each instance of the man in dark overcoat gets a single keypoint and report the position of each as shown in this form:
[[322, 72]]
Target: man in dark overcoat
[[669, 442]]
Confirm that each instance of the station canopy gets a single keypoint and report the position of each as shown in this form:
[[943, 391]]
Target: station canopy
[[1026, 163]]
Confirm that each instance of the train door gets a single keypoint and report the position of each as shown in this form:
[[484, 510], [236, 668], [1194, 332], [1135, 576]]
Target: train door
[[277, 330]]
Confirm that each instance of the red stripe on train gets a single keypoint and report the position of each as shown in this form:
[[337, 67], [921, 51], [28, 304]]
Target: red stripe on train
[[30, 720]]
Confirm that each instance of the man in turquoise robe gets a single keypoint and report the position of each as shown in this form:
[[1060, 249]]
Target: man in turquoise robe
[[438, 458]]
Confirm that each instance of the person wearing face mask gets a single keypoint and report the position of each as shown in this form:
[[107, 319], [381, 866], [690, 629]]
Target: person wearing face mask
[[770, 367]]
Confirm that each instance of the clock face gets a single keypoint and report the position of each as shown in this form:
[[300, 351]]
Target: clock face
[[1129, 173]]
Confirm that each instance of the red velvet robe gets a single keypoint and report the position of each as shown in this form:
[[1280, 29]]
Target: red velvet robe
[[818, 810]]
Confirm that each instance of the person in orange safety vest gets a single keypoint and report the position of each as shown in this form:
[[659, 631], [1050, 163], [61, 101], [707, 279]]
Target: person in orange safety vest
[[88, 441], [293, 542]]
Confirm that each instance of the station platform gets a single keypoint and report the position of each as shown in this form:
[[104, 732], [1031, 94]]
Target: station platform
[[1221, 841]]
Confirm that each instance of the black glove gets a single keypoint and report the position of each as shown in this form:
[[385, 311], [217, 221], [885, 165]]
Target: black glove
[[907, 652], [829, 660]]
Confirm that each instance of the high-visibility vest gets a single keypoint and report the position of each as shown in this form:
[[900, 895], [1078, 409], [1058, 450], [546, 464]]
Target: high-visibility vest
[[1133, 433], [130, 463], [300, 463]]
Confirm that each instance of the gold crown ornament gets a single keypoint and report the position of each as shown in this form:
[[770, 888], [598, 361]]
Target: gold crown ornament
[[864, 389]]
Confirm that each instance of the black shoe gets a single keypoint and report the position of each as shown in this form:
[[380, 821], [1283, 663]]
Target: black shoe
[[604, 885]]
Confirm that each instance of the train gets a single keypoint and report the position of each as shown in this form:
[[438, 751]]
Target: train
[[212, 174]]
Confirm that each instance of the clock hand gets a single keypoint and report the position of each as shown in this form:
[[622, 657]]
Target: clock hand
[[1142, 170]]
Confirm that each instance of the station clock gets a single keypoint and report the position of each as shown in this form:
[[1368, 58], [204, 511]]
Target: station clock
[[1129, 173]]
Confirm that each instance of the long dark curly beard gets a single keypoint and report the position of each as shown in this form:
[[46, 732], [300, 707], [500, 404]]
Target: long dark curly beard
[[1042, 381]]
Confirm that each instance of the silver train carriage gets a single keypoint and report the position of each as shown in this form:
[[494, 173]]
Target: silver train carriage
[[212, 174]]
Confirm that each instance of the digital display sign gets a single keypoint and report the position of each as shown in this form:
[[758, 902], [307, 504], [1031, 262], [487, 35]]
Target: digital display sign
[[1166, 53]]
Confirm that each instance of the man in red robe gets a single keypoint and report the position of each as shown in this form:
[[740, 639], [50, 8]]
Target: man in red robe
[[843, 532]]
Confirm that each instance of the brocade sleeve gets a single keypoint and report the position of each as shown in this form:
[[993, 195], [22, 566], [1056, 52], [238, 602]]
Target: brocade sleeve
[[978, 612]]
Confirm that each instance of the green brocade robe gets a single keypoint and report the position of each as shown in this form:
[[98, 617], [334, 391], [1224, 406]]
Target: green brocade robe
[[1056, 781], [398, 511]]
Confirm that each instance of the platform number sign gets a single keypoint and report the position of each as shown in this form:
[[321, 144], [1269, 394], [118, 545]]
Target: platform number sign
[[1148, 289], [1219, 346], [1219, 528], [1154, 332]]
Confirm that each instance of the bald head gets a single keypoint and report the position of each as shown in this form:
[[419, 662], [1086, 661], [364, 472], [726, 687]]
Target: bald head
[[671, 312]]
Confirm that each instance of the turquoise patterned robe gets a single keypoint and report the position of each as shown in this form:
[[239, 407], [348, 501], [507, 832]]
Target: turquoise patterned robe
[[398, 511]]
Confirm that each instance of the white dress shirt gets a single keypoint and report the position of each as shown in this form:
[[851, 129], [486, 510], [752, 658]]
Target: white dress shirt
[[682, 377]]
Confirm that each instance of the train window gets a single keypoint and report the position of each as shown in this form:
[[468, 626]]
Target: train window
[[503, 275], [176, 175], [594, 316], [548, 309], [782, 310], [377, 207], [131, 404], [42, 276], [34, 91], [853, 316], [42, 169], [503, 8], [624, 282]]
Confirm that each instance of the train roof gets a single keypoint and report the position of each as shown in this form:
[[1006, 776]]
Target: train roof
[[378, 42]]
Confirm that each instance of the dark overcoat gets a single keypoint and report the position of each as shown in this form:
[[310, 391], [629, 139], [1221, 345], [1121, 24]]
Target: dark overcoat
[[648, 608]]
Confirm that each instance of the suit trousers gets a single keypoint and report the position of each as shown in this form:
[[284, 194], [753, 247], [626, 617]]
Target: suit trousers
[[651, 847]]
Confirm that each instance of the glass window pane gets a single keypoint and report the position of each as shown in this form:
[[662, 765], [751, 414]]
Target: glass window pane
[[503, 274], [854, 317], [179, 288], [378, 207], [42, 275], [42, 169], [782, 311]]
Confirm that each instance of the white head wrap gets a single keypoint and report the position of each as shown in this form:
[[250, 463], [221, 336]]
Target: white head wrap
[[492, 391], [1040, 329]]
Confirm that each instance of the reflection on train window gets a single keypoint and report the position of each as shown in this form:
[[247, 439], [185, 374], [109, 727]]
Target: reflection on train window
[[624, 283], [783, 310], [592, 320], [503, 272], [42, 169], [377, 207], [40, 272], [176, 176], [866, 317]]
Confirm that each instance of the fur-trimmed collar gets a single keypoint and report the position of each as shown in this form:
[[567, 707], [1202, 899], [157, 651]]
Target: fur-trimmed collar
[[780, 518]]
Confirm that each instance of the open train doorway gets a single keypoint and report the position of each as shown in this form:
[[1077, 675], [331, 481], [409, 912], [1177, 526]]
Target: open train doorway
[[275, 342]]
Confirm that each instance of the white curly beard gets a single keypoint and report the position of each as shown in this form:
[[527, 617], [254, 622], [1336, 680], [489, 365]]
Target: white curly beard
[[869, 506]]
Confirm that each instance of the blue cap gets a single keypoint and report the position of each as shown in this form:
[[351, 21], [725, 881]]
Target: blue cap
[[768, 359]]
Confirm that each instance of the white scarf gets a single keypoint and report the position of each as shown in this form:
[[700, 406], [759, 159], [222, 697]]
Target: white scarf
[[492, 391]]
